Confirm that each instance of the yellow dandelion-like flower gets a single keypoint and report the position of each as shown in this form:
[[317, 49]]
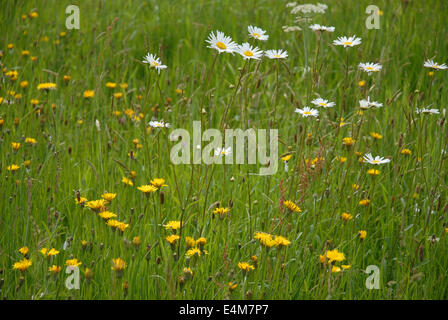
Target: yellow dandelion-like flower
[[97, 205], [190, 242], [24, 250], [291, 206], [172, 225], [348, 141], [15, 145], [13, 167], [245, 266], [22, 265], [373, 172], [109, 196], [73, 263], [88, 94], [147, 189], [111, 85], [221, 211], [362, 234], [46, 86], [364, 202], [193, 252], [30, 140], [106, 215], [49, 253], [406, 152], [172, 238], [334, 255], [158, 182], [376, 136], [54, 269], [118, 265], [127, 181], [281, 241], [346, 216]]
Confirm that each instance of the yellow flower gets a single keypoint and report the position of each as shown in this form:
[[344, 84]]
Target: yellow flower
[[31, 140], [376, 135], [147, 189], [406, 152], [123, 85], [97, 205], [355, 186], [15, 145], [24, 84], [113, 223], [66, 78], [158, 182], [348, 141], [122, 226], [118, 95], [346, 216], [106, 215], [118, 265], [34, 102], [172, 238], [346, 266], [364, 202], [265, 239], [73, 263], [362, 234], [335, 269], [361, 83], [172, 225], [232, 286], [24, 250], [55, 269], [136, 241], [245, 266], [341, 159], [127, 181], [89, 94], [287, 157], [193, 252], [190, 242], [81, 200], [109, 196], [188, 272], [111, 85], [33, 14], [201, 241], [46, 86], [22, 265], [281, 241], [222, 212], [291, 206], [334, 255], [373, 172], [49, 253]]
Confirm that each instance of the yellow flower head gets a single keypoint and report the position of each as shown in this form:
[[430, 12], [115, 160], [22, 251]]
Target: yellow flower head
[[24, 250], [55, 269], [346, 216], [364, 202], [22, 265], [348, 141], [291, 206], [46, 86], [147, 188], [362, 234], [172, 225], [172, 238], [127, 181], [221, 211], [245, 266], [158, 182], [73, 263], [97, 205], [118, 265], [109, 196], [334, 255], [193, 252], [89, 94], [106, 215]]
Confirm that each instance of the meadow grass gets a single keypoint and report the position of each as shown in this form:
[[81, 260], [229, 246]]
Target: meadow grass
[[85, 146]]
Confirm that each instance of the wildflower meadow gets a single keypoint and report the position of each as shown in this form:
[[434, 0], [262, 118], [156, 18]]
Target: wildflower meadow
[[219, 150]]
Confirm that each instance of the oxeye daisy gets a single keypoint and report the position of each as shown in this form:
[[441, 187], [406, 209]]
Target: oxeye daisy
[[367, 104], [323, 103], [223, 151], [154, 62], [428, 111], [276, 54], [318, 27], [159, 124], [370, 67], [249, 52], [347, 41], [257, 33], [377, 160], [221, 42], [307, 112], [434, 65]]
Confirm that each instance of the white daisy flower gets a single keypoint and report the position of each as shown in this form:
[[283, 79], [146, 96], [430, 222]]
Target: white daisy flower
[[159, 124], [276, 54], [347, 42], [223, 151], [425, 110], [370, 67], [307, 112], [221, 42], [318, 27], [366, 104], [323, 103], [249, 52], [257, 33], [377, 160], [154, 62], [434, 65]]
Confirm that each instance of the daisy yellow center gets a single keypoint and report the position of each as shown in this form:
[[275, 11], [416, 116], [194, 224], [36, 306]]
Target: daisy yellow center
[[223, 152], [323, 104], [256, 35], [221, 45], [277, 56], [307, 112], [155, 64], [248, 53], [347, 43], [369, 68], [375, 161]]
